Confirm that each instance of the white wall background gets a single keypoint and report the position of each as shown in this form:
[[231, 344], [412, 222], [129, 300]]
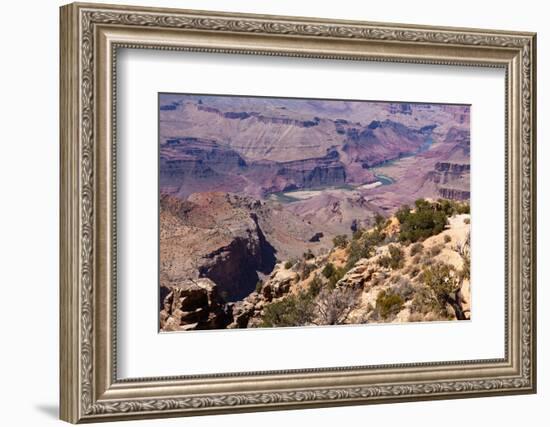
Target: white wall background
[[29, 170]]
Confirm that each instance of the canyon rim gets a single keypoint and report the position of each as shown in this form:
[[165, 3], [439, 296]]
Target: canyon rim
[[278, 212]]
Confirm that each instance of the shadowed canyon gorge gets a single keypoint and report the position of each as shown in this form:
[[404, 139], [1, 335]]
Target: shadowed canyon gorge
[[255, 192]]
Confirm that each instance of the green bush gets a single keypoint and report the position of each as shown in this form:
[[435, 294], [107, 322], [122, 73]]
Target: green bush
[[425, 221], [394, 260], [336, 276], [288, 265], [340, 241], [315, 286], [379, 221], [443, 281], [293, 310], [466, 220], [388, 304], [364, 247], [259, 285], [447, 238], [328, 270], [452, 207]]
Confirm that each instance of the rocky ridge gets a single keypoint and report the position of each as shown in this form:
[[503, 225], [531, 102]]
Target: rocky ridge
[[397, 282]]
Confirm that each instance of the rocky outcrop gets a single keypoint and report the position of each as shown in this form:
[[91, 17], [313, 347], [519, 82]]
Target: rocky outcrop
[[235, 267], [446, 172], [453, 193], [248, 312], [381, 142], [452, 180], [232, 240], [192, 304]]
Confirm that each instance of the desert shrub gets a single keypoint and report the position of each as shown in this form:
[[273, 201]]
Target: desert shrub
[[436, 250], [384, 261], [293, 310], [308, 255], [259, 285], [288, 265], [379, 221], [463, 249], [333, 274], [307, 269], [416, 248], [388, 304], [452, 207], [425, 221], [336, 276], [394, 260], [403, 288], [364, 246], [444, 283], [328, 270], [447, 238], [357, 234], [424, 302], [315, 286], [340, 241], [465, 271], [334, 306], [415, 269], [466, 220]]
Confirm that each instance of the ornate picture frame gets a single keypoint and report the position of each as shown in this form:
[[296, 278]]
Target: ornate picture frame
[[91, 34]]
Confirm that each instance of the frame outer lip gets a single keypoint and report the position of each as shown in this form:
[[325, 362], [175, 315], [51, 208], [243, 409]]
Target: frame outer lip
[[72, 407]]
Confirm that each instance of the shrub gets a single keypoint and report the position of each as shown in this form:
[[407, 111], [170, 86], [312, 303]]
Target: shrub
[[394, 260], [444, 283], [293, 310], [307, 269], [416, 248], [424, 302], [403, 288], [288, 264], [259, 285], [452, 207], [357, 234], [388, 304], [379, 221], [328, 270], [333, 274], [340, 241], [334, 306], [384, 261], [425, 221], [441, 278], [308, 255], [466, 220], [336, 276], [415, 269], [447, 238], [315, 286], [436, 250]]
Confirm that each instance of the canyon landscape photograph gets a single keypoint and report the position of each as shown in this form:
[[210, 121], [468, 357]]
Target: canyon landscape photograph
[[287, 212]]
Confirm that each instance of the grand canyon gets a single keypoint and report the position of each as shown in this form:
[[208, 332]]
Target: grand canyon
[[304, 212]]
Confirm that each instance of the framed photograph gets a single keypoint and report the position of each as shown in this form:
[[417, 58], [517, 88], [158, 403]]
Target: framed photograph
[[266, 212]]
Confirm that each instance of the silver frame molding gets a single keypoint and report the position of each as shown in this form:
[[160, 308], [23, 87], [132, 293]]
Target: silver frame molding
[[90, 37]]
